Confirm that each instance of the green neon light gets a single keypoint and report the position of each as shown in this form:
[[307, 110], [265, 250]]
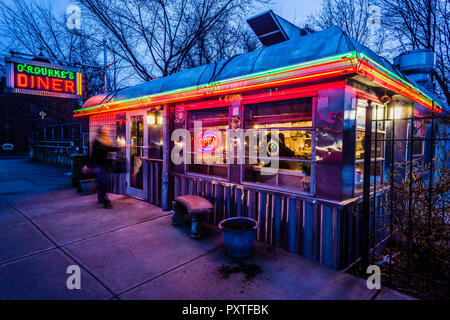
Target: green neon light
[[401, 79], [44, 71], [348, 55]]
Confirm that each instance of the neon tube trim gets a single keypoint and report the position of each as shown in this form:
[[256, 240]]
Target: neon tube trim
[[262, 74], [270, 74]]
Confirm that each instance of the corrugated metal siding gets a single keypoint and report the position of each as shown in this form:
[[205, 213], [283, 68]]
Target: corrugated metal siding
[[324, 233]]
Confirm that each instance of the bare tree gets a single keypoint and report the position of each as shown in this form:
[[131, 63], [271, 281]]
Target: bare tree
[[160, 37], [33, 28], [355, 17], [417, 24]]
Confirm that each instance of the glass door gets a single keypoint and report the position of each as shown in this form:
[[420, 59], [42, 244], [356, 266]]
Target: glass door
[[137, 137]]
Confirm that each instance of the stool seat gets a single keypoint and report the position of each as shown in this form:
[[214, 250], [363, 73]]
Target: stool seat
[[195, 204], [191, 208]]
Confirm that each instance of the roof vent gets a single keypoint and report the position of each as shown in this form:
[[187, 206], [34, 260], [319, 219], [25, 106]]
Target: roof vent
[[418, 65], [271, 29]]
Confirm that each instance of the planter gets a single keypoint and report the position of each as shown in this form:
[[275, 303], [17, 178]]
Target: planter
[[239, 234], [89, 186]]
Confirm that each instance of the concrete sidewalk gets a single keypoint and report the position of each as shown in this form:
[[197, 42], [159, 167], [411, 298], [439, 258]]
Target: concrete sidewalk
[[133, 251]]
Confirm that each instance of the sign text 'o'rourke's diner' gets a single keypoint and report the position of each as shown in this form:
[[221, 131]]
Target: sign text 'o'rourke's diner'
[[41, 78]]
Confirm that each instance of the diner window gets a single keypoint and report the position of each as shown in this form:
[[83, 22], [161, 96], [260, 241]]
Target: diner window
[[419, 136], [418, 142], [155, 134], [377, 145], [107, 121], [208, 142], [294, 121]]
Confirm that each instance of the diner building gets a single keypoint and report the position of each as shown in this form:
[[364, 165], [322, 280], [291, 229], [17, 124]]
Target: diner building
[[310, 87]]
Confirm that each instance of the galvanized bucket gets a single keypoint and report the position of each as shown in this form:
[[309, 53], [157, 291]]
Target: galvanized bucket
[[239, 234]]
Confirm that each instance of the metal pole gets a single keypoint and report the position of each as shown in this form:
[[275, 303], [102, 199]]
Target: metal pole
[[430, 199], [375, 209], [391, 213], [105, 63], [410, 200], [364, 219]]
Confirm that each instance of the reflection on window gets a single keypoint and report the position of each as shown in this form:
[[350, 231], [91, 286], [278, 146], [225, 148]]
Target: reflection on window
[[208, 141], [155, 134], [360, 145], [418, 143], [377, 145], [296, 113], [377, 140], [290, 144], [293, 120], [378, 115], [121, 134], [293, 175], [376, 172]]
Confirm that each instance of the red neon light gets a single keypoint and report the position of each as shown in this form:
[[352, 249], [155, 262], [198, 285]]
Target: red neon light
[[57, 85], [26, 81], [208, 142], [317, 72], [364, 95], [395, 86], [163, 99], [68, 86], [43, 84], [22, 81], [285, 94]]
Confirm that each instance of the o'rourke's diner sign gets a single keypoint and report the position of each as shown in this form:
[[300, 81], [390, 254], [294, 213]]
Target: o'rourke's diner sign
[[42, 78]]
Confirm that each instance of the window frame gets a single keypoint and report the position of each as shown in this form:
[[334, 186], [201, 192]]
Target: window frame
[[416, 137], [380, 161], [312, 161], [192, 153]]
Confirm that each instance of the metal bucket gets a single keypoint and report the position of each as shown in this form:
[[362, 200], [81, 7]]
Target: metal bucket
[[239, 234]]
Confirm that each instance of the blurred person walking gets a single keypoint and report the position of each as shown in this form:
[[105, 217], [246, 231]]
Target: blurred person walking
[[101, 147]]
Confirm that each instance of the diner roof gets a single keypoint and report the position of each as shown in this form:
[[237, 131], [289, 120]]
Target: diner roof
[[314, 46]]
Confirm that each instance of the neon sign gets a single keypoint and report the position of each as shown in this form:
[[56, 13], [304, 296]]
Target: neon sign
[[208, 142], [272, 148], [41, 78]]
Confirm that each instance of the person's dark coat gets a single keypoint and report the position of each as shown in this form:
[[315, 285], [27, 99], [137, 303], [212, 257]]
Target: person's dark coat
[[100, 152]]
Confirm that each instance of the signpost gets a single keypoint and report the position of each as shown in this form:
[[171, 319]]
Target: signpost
[[41, 78]]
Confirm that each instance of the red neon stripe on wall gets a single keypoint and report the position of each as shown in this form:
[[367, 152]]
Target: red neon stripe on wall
[[220, 92], [297, 78], [397, 87]]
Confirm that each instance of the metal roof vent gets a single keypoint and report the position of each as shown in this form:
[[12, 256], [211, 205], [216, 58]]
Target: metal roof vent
[[418, 65], [271, 29]]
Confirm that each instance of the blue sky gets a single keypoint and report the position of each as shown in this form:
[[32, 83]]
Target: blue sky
[[292, 10], [295, 10]]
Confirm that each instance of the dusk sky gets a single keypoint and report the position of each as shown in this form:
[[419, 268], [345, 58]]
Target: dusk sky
[[295, 11]]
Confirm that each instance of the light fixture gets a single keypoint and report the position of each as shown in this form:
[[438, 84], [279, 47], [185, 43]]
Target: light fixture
[[151, 119]]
